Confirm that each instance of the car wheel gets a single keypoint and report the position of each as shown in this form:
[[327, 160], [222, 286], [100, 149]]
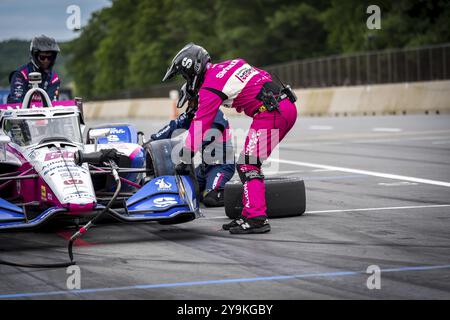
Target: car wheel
[[159, 157]]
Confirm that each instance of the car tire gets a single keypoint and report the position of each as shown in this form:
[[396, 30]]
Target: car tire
[[159, 157], [285, 197]]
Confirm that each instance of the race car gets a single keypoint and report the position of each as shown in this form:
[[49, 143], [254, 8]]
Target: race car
[[48, 172]]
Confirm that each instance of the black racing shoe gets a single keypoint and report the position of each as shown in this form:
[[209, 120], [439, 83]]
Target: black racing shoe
[[235, 223], [214, 198], [253, 225]]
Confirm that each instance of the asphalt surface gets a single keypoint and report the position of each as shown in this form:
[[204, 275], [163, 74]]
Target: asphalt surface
[[357, 216]]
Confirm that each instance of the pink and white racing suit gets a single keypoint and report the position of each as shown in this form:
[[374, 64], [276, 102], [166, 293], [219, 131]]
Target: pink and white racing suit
[[235, 84]]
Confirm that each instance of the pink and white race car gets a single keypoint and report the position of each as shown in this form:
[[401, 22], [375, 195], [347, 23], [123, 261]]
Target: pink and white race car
[[41, 177]]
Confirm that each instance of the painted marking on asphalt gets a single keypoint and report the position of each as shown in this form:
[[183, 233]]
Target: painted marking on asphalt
[[360, 209], [395, 184], [320, 178], [397, 139], [320, 127], [386, 129], [383, 208], [441, 142], [353, 176], [332, 274], [289, 145], [366, 172], [269, 173]]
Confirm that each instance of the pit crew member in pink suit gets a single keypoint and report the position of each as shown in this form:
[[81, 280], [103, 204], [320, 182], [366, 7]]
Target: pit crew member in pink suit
[[236, 84]]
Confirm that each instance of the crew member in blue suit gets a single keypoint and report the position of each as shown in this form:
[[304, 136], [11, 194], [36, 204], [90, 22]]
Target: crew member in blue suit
[[211, 176], [43, 52]]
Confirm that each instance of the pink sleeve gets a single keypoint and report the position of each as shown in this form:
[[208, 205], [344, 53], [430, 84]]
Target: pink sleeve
[[208, 104]]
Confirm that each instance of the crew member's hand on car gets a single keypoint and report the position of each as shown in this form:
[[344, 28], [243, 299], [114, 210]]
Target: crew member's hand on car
[[184, 167]]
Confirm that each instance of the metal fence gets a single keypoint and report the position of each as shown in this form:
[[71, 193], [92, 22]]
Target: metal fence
[[387, 66]]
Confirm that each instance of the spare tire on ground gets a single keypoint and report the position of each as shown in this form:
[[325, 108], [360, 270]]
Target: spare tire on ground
[[285, 197]]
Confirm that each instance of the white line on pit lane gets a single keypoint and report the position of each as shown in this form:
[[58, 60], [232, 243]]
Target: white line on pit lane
[[361, 209], [387, 129], [314, 127], [271, 173], [441, 142], [268, 173], [395, 184], [365, 172], [398, 139], [383, 208]]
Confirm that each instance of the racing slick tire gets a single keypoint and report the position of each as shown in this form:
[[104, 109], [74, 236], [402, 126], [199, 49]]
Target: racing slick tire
[[159, 159], [285, 197]]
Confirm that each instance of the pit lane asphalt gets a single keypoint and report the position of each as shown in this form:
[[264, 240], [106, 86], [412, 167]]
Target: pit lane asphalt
[[353, 220]]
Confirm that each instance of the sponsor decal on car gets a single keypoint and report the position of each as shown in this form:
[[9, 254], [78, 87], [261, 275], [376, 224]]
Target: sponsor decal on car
[[73, 181], [77, 196], [113, 138], [56, 155], [116, 131], [163, 185], [43, 193], [164, 202]]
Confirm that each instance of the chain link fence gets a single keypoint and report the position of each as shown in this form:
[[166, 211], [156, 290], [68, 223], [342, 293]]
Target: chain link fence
[[375, 67], [387, 66]]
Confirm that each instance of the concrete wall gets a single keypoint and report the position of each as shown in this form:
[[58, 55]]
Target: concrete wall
[[416, 97]]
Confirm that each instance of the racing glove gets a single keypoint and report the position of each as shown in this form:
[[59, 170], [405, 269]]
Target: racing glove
[[184, 167], [110, 154]]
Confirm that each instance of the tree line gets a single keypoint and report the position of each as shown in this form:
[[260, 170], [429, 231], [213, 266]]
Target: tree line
[[130, 44]]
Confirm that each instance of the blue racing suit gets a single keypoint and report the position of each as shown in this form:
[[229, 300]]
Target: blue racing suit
[[211, 177], [20, 84]]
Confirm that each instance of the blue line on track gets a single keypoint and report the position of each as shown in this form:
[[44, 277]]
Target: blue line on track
[[219, 281]]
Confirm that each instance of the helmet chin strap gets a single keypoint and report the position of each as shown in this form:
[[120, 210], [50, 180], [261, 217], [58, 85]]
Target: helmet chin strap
[[34, 62], [194, 83], [197, 82]]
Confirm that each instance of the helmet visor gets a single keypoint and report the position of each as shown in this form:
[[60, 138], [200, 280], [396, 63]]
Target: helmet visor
[[171, 72]]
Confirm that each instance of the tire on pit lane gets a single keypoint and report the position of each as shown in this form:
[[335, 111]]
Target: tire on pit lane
[[285, 197]]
